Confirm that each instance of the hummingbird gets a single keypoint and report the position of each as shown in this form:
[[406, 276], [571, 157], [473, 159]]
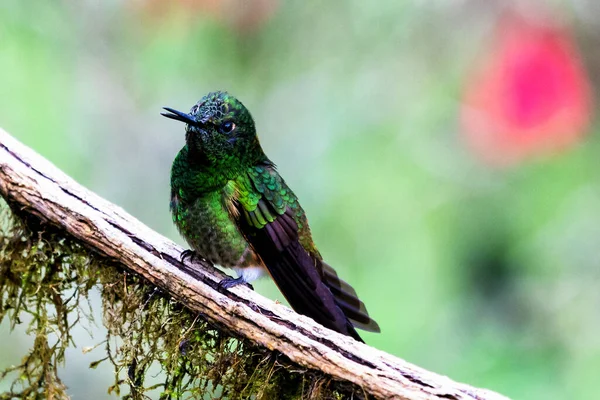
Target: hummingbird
[[234, 209]]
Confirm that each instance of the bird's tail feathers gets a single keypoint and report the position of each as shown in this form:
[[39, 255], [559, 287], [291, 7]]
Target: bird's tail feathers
[[348, 301]]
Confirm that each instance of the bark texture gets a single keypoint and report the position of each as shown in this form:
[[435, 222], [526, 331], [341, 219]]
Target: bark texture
[[37, 187]]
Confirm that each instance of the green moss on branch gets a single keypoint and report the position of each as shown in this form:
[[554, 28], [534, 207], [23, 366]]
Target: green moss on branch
[[156, 346]]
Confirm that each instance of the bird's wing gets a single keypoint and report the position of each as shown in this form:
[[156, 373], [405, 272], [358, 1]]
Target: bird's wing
[[269, 216]]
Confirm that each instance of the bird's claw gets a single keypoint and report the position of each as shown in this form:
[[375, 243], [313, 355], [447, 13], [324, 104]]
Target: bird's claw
[[229, 282], [189, 255]]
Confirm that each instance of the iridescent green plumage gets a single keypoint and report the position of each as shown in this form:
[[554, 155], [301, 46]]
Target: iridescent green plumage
[[234, 209], [201, 215]]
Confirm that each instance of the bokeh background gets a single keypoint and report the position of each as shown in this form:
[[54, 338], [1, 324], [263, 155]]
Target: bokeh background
[[446, 154]]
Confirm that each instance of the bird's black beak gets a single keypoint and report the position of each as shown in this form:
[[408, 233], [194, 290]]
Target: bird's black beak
[[179, 116]]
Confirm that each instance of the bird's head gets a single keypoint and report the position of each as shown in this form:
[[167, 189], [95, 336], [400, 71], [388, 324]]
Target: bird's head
[[219, 132]]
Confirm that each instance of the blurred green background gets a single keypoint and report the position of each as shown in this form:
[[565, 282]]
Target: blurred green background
[[490, 276]]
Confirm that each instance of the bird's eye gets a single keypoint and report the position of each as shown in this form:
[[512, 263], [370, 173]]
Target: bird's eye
[[227, 127]]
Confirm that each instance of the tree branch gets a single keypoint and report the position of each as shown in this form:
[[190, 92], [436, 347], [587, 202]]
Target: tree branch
[[37, 187]]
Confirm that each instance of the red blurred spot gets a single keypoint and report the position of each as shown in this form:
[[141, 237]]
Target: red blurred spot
[[531, 96]]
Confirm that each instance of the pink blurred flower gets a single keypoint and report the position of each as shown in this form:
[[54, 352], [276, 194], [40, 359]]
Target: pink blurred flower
[[532, 94]]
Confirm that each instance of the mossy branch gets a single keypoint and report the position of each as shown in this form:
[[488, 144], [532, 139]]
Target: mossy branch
[[35, 187]]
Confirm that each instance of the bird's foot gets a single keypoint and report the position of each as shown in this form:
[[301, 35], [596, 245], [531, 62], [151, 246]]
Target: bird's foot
[[229, 282], [190, 255]]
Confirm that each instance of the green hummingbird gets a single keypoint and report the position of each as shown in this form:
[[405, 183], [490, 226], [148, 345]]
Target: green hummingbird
[[235, 210]]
